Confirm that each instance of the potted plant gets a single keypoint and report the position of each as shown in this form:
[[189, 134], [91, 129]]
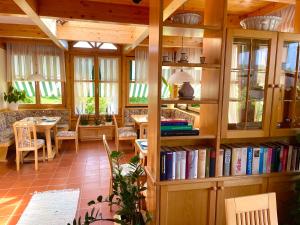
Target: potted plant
[[84, 120], [13, 96], [126, 195]]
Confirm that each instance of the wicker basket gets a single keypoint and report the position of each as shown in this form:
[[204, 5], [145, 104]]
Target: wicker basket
[[269, 23], [186, 18]]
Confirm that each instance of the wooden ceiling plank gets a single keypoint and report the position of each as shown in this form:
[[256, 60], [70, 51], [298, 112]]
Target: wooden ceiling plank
[[28, 7], [21, 31], [272, 7], [94, 11], [168, 11], [291, 2]]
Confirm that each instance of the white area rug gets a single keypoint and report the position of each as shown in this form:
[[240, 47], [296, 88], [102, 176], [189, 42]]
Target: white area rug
[[51, 208]]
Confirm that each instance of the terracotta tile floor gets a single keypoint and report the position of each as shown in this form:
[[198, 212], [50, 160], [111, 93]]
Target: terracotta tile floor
[[88, 170]]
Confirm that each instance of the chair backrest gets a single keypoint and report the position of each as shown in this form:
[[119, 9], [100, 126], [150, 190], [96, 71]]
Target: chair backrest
[[108, 151], [77, 124], [252, 210], [143, 131], [25, 135]]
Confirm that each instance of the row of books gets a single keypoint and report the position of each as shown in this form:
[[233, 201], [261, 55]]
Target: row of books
[[191, 162], [177, 127], [187, 162], [267, 158]]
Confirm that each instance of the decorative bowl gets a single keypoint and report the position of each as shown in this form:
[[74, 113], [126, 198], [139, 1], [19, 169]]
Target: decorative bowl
[[269, 23], [186, 18]]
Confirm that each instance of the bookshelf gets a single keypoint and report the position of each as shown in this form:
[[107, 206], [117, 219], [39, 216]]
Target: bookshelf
[[201, 201]]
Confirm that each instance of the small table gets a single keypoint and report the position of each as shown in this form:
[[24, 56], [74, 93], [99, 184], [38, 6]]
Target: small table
[[44, 125], [141, 149], [140, 120]]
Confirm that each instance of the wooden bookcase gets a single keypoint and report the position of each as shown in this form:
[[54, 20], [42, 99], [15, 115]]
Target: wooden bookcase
[[201, 201]]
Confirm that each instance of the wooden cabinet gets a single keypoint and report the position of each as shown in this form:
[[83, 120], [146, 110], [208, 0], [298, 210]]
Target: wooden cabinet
[[249, 75], [88, 133], [188, 204], [286, 97], [236, 187]]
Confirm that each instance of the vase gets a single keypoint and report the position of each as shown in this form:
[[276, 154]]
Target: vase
[[13, 106], [186, 91]]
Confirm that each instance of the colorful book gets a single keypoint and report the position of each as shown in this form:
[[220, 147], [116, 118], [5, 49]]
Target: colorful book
[[220, 165], [169, 165], [212, 165], [239, 158], [207, 160], [255, 160], [202, 162], [178, 158], [261, 160], [182, 165], [289, 158], [173, 122], [265, 160], [294, 158], [227, 161], [193, 132], [163, 174], [177, 127], [249, 160], [174, 165], [269, 159]]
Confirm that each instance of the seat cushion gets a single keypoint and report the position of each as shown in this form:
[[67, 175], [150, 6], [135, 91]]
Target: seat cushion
[[7, 135], [66, 133], [40, 143], [127, 132]]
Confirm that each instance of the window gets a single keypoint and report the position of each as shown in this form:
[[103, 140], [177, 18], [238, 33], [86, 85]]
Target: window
[[87, 85], [95, 45], [38, 70]]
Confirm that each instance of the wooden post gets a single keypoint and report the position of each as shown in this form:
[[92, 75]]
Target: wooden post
[[297, 17]]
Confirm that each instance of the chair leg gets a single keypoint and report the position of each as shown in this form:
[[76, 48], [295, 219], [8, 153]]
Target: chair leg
[[56, 145], [18, 160], [110, 192], [117, 145], [44, 153], [76, 144], [36, 159]]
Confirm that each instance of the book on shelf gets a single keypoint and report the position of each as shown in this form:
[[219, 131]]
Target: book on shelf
[[174, 122], [187, 162], [193, 132], [262, 159], [177, 127]]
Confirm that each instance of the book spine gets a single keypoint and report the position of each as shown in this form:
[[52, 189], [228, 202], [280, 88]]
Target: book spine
[[195, 164], [212, 166], [182, 127], [179, 132], [297, 159], [221, 161], [207, 165], [280, 169], [285, 158], [169, 164], [174, 160], [227, 162], [269, 160], [244, 160], [163, 166], [236, 161], [289, 159], [187, 165], [273, 161], [183, 165], [202, 162], [178, 158], [261, 160], [249, 160], [294, 158], [256, 156], [265, 160]]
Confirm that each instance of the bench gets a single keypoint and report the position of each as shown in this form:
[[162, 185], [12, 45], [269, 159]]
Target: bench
[[8, 118]]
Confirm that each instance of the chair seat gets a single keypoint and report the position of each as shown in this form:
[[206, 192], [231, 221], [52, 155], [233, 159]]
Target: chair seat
[[127, 132], [66, 133], [40, 143]]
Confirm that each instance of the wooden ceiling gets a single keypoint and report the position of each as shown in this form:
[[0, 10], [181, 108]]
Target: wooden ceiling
[[87, 19]]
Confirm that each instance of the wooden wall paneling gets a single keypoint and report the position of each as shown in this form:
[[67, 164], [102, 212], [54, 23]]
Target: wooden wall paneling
[[21, 31], [237, 187], [188, 204], [284, 187]]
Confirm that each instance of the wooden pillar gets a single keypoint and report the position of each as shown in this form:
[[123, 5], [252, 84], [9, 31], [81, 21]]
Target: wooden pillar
[[297, 17]]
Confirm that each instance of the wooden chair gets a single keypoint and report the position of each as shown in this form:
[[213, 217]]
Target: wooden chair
[[252, 210], [26, 140], [67, 135], [124, 134], [143, 131]]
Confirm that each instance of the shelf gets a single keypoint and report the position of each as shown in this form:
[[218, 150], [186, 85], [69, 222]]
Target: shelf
[[195, 137], [193, 26], [193, 101], [192, 65]]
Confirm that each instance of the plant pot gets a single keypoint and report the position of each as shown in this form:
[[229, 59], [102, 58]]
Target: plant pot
[[13, 106]]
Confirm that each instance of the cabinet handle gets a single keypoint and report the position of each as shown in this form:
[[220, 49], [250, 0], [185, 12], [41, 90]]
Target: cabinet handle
[[214, 188], [271, 85], [276, 86]]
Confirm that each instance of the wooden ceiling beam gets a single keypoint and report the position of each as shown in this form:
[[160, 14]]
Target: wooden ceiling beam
[[270, 8], [94, 11], [30, 8], [168, 11], [291, 2], [21, 31]]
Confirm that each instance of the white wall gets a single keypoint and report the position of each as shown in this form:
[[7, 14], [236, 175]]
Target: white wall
[[3, 83]]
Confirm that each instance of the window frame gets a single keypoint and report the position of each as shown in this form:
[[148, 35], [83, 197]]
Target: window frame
[[127, 83], [96, 54]]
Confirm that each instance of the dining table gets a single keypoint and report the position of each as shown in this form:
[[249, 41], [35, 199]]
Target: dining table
[[45, 125], [140, 120]]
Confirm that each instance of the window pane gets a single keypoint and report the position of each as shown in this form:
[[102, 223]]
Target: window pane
[[83, 68], [138, 93], [84, 97], [50, 92], [108, 46], [82, 44], [29, 88], [109, 98]]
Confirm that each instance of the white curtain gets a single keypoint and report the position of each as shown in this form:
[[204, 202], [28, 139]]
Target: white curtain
[[288, 18], [141, 64], [109, 83], [84, 85], [27, 59]]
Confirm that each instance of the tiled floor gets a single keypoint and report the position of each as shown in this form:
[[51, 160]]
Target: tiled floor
[[87, 170]]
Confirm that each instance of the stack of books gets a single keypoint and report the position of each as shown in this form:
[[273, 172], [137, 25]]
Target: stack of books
[[187, 162], [235, 160], [177, 127]]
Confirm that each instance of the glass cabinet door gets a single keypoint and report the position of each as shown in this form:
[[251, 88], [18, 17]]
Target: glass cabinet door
[[248, 83], [288, 97]]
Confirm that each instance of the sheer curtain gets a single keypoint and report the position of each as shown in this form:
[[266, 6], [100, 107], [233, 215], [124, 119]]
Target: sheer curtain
[[288, 18], [84, 87], [141, 64], [27, 59], [109, 84]]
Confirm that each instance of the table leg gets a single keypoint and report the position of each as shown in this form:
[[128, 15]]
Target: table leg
[[49, 145]]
